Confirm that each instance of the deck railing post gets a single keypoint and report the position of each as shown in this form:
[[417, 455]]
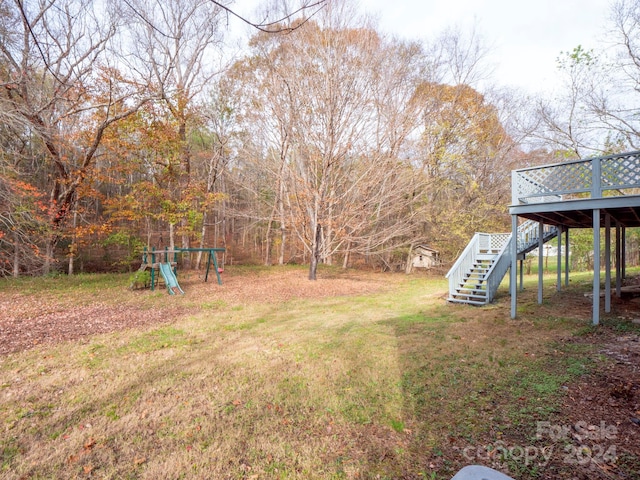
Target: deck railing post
[[618, 260], [596, 171], [566, 257], [623, 252], [607, 263], [514, 188]]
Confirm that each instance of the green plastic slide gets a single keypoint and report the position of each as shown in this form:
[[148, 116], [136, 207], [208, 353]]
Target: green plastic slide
[[170, 279]]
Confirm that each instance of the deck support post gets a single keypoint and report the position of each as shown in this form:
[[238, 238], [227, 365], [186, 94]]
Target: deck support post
[[514, 263], [522, 274], [607, 263], [540, 260], [596, 266], [623, 260], [559, 267], [618, 261], [566, 257]]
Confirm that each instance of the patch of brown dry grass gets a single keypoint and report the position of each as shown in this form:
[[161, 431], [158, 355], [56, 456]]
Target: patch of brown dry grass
[[266, 376], [53, 316], [242, 383]]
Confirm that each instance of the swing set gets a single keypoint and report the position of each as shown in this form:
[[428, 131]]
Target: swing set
[[160, 260]]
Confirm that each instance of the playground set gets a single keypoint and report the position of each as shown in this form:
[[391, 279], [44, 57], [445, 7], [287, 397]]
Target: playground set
[[160, 260]]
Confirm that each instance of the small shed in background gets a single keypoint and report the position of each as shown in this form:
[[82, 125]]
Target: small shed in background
[[425, 257]]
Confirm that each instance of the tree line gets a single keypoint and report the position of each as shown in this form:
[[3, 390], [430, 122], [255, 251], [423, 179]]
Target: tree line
[[129, 123]]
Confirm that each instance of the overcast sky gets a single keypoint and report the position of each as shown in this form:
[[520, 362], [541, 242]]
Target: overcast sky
[[526, 36]]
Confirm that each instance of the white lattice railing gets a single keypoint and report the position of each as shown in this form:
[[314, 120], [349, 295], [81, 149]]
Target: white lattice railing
[[591, 176], [499, 240]]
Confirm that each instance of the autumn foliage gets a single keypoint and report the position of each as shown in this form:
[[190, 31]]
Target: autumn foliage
[[333, 143]]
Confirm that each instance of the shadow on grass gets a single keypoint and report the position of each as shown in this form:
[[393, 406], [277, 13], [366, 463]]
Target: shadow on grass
[[476, 384]]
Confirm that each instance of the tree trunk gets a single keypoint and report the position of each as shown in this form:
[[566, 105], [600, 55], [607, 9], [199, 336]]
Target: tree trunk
[[16, 255], [203, 234], [73, 247], [49, 249], [149, 233], [546, 261], [283, 227], [409, 265], [315, 254], [70, 266], [172, 240], [328, 234], [347, 254], [185, 244], [267, 240]]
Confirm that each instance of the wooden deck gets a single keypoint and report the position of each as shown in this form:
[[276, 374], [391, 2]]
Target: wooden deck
[[601, 192]]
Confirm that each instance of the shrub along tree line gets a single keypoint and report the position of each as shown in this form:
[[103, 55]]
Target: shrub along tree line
[[123, 125]]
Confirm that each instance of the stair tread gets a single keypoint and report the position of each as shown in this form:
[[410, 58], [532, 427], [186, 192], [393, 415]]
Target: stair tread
[[466, 302], [468, 295]]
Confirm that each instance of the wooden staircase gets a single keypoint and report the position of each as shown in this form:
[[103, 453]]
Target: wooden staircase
[[472, 289], [475, 277]]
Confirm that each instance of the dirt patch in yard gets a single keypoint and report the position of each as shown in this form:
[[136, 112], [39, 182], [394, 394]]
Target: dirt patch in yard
[[600, 415], [277, 286]]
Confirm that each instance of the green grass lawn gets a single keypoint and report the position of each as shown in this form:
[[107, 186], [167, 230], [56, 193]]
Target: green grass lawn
[[390, 385]]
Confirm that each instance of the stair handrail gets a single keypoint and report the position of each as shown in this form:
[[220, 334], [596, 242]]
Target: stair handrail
[[499, 268], [465, 260], [471, 247], [528, 234], [495, 275]]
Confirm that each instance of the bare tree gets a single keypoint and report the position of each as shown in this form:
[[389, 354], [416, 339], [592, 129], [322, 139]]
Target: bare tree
[[614, 98], [59, 85], [333, 107], [566, 123], [595, 110], [462, 56]]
